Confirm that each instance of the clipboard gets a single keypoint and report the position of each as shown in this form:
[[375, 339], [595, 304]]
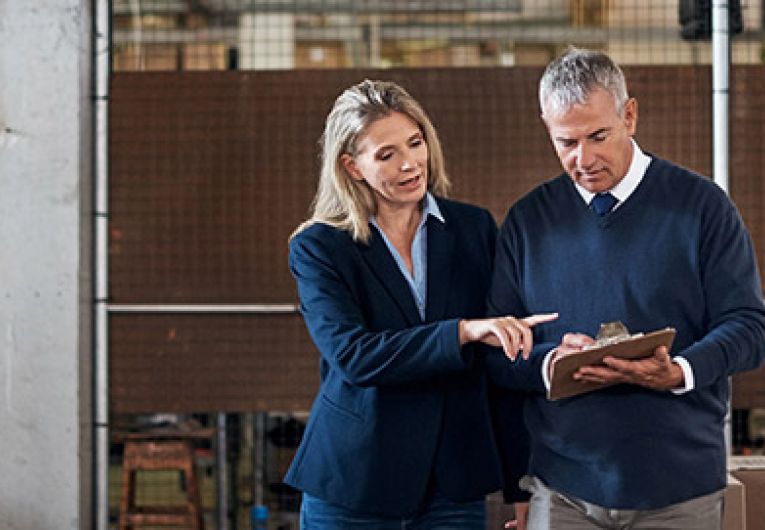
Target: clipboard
[[562, 382]]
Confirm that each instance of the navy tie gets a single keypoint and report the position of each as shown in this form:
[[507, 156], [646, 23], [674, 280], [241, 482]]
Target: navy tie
[[602, 203]]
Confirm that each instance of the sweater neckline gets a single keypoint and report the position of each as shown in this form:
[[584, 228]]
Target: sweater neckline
[[624, 208]]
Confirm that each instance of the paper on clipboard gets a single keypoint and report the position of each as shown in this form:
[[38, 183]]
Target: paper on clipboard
[[562, 382]]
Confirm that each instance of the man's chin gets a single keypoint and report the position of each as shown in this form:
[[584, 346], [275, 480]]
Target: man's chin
[[593, 185]]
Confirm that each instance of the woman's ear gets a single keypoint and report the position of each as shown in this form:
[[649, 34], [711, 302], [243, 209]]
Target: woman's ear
[[350, 166]]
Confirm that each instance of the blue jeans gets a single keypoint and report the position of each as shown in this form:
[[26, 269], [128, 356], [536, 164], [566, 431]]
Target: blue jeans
[[437, 514]]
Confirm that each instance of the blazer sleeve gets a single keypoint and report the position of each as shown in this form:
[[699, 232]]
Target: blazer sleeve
[[363, 356]]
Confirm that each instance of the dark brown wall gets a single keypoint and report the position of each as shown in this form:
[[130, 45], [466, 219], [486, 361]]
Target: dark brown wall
[[211, 362], [210, 172]]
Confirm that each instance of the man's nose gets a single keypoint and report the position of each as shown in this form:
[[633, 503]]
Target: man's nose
[[584, 156]]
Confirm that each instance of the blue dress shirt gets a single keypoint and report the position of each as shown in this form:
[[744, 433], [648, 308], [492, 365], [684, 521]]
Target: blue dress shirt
[[419, 283]]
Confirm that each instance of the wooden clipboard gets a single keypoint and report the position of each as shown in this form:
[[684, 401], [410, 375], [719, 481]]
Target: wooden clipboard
[[562, 382]]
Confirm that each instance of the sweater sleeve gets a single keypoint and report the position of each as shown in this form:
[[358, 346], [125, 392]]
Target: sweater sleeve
[[510, 379], [735, 338], [504, 298]]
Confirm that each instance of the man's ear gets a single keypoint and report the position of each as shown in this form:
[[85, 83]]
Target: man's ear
[[545, 120], [350, 166], [631, 116]]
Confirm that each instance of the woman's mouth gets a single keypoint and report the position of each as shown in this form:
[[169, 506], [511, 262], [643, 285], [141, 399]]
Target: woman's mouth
[[410, 182]]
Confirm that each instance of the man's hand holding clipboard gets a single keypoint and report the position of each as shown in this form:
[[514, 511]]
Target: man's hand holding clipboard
[[582, 364]]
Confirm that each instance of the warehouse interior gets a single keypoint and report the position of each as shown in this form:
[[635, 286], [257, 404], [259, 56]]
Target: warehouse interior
[[180, 321]]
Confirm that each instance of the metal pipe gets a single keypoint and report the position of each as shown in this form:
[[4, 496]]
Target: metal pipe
[[102, 68], [222, 474], [720, 83], [375, 47], [261, 309], [259, 457], [720, 148]]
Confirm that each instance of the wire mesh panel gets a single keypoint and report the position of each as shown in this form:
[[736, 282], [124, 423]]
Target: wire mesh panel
[[746, 182], [209, 175], [196, 363], [294, 34], [216, 109], [206, 191]]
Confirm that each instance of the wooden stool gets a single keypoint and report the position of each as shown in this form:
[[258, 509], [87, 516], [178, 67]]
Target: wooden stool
[[145, 452]]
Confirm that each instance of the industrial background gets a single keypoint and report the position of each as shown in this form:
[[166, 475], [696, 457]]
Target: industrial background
[[155, 155]]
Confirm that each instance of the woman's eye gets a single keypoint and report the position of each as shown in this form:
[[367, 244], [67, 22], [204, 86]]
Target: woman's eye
[[385, 156]]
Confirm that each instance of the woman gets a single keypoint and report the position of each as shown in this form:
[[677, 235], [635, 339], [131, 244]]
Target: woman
[[392, 280]]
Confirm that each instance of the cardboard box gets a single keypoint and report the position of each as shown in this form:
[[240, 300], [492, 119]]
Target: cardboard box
[[204, 56], [734, 512], [750, 471], [147, 57]]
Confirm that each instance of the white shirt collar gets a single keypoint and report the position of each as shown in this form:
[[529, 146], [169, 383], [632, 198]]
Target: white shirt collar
[[625, 187]]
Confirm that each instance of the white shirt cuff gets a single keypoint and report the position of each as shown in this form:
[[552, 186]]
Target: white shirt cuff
[[690, 383], [545, 371]]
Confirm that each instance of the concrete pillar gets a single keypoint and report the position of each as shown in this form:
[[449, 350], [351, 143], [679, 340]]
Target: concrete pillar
[[45, 195]]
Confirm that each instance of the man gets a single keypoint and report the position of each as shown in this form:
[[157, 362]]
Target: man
[[624, 236]]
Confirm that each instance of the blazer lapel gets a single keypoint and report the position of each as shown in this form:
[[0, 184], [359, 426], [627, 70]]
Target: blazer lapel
[[440, 256], [385, 268]]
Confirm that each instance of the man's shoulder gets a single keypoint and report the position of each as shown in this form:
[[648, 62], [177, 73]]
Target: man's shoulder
[[677, 180], [551, 190], [660, 167]]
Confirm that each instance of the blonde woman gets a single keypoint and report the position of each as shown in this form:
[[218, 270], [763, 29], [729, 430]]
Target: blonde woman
[[392, 279]]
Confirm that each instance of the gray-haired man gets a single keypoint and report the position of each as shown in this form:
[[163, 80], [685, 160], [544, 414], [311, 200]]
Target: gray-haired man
[[624, 235]]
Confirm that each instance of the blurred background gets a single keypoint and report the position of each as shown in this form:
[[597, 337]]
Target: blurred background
[[215, 108]]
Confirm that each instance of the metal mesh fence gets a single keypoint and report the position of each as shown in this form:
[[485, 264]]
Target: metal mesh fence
[[294, 34], [216, 108]]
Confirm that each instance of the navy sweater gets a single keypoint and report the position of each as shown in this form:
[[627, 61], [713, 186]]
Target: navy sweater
[[676, 253]]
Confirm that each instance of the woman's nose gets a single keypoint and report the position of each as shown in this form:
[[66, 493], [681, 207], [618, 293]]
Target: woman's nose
[[407, 164]]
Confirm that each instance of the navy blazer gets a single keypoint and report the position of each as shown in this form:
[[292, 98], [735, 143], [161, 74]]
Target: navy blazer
[[401, 405]]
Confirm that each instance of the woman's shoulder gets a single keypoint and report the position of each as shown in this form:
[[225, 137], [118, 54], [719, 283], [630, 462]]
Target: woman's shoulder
[[319, 235], [463, 210]]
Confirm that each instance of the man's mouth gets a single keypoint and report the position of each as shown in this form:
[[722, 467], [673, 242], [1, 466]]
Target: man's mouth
[[589, 175]]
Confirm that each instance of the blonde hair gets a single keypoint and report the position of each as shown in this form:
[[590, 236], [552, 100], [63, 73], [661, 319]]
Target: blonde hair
[[342, 201]]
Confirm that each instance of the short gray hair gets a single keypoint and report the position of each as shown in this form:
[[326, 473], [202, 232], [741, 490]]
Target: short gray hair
[[573, 76]]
